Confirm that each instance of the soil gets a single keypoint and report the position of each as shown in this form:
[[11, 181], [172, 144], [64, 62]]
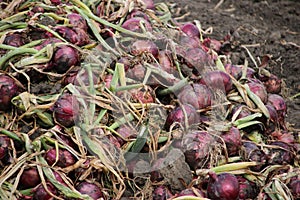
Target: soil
[[265, 27]]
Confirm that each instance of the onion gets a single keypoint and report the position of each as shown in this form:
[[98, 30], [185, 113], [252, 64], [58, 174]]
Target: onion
[[127, 132], [41, 194], [149, 4], [197, 58], [224, 186], [8, 89], [138, 14], [283, 136], [248, 190], [76, 76], [162, 193], [142, 95], [14, 39], [144, 46], [177, 115], [273, 84], [90, 189], [77, 21], [155, 175], [282, 155], [133, 24], [244, 112], [137, 72], [212, 44], [4, 147], [233, 141], [165, 62], [56, 2], [74, 35], [279, 104], [64, 57], [65, 158], [29, 178], [197, 145], [251, 152], [66, 110], [50, 40], [190, 30], [234, 70], [194, 192], [295, 188], [217, 80], [197, 95], [187, 42], [258, 89]]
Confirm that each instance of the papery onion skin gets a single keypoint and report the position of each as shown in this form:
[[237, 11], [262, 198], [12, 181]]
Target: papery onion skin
[[14, 39], [273, 84], [77, 21], [144, 46], [282, 155], [223, 186], [251, 152], [248, 189], [233, 141]]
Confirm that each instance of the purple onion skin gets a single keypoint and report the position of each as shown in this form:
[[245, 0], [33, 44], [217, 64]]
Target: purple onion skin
[[76, 76], [248, 190], [77, 21], [66, 110], [50, 40], [74, 35], [41, 194], [279, 104], [234, 70], [190, 30], [133, 24], [197, 58], [195, 192], [149, 4], [4, 147], [144, 46], [165, 61], [65, 158], [137, 72], [197, 146], [139, 95], [258, 89], [224, 186], [14, 39], [177, 115], [251, 152], [213, 44], [217, 80], [243, 113], [90, 189], [197, 95], [127, 133], [187, 42], [29, 178], [156, 176], [8, 89], [282, 156], [295, 188], [233, 141], [64, 57], [138, 14], [273, 84], [162, 193]]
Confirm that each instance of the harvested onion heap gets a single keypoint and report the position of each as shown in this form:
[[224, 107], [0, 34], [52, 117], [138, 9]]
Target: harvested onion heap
[[96, 96]]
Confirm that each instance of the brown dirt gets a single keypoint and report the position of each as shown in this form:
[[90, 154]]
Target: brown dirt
[[271, 27]]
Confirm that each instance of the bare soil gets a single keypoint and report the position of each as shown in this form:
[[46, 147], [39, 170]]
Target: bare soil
[[265, 27]]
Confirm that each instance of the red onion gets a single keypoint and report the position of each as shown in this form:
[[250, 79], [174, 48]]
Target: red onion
[[273, 84], [279, 104], [177, 115], [144, 46], [63, 58], [234, 70], [41, 194], [212, 44], [165, 61], [197, 95], [233, 141], [197, 146], [224, 186], [258, 89], [295, 188], [185, 43], [50, 40], [243, 113], [273, 113], [56, 2], [149, 4], [76, 36], [156, 176], [190, 30], [8, 89], [251, 152], [195, 192], [14, 39], [66, 110], [126, 62], [197, 58], [282, 155], [65, 158], [29, 178], [133, 24], [217, 80], [4, 147], [76, 76], [248, 189], [142, 95], [162, 193], [90, 189], [127, 132], [77, 21], [137, 72], [283, 136], [138, 14]]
